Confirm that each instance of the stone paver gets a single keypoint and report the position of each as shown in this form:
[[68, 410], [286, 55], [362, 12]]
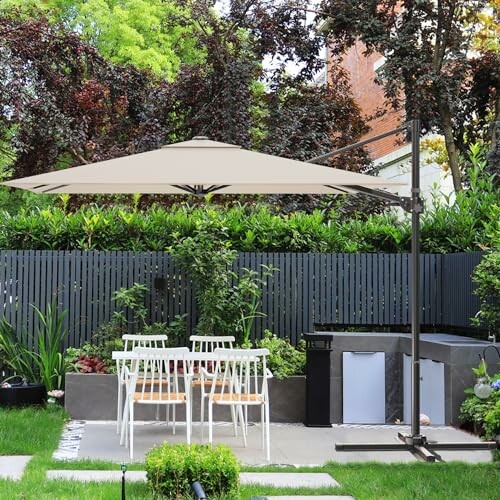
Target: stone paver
[[290, 444], [289, 479], [97, 475], [12, 467]]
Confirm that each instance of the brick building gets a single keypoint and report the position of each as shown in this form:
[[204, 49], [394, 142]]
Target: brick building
[[393, 153]]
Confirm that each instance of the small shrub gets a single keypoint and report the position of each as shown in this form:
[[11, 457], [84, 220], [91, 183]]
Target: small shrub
[[487, 279], [284, 359], [172, 469]]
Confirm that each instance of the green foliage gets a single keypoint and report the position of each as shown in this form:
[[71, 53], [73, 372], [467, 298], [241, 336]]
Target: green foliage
[[471, 221], [176, 330], [492, 421], [284, 359], [486, 276], [47, 364], [50, 338], [483, 414], [172, 469], [474, 410], [430, 69], [13, 352], [227, 303], [131, 312], [468, 224], [131, 300], [152, 34]]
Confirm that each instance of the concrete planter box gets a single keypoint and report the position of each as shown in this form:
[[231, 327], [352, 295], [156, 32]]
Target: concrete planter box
[[94, 396]]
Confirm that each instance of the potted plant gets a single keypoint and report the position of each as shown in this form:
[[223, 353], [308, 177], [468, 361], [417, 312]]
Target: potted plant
[[35, 373]]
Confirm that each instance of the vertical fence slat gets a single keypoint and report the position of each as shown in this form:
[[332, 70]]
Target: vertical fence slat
[[348, 289]]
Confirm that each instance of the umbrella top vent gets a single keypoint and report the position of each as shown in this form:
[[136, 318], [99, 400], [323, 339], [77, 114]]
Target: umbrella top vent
[[201, 141]]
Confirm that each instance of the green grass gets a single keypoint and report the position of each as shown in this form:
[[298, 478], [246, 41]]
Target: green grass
[[36, 432]]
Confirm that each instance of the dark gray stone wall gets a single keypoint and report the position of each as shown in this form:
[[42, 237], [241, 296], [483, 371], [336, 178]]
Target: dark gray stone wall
[[94, 397], [459, 355]]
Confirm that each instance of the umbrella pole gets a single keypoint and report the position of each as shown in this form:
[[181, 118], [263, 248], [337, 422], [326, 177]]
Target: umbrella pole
[[416, 209]]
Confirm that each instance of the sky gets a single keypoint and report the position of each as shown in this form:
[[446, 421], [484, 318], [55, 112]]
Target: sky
[[269, 63]]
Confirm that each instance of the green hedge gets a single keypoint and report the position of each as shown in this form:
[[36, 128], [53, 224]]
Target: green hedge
[[172, 469], [459, 228]]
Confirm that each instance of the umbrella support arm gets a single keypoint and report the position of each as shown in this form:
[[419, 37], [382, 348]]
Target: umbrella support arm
[[412, 204]]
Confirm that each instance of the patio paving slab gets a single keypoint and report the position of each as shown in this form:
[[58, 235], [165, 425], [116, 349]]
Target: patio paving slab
[[291, 444], [12, 466], [289, 479], [131, 476]]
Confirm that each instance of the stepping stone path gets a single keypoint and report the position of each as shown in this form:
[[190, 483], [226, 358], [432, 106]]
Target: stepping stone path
[[289, 479], [276, 479], [97, 475], [12, 467]]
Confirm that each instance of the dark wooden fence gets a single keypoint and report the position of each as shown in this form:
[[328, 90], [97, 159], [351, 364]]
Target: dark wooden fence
[[310, 289]]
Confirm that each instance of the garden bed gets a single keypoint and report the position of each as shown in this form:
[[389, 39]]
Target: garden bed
[[94, 397]]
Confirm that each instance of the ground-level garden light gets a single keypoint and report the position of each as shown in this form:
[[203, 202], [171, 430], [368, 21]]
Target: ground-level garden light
[[201, 166]]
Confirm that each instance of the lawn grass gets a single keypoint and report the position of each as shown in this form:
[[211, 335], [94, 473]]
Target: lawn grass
[[36, 432], [30, 430]]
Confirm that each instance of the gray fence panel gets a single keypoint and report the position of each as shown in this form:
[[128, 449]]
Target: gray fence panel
[[459, 302], [308, 289]]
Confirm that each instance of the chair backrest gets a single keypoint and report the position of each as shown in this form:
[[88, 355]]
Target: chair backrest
[[243, 372], [208, 343], [131, 341], [164, 373]]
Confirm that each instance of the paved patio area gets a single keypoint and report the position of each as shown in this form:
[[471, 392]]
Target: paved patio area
[[291, 444]]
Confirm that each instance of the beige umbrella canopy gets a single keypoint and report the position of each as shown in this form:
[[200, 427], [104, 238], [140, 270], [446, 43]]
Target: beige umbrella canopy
[[200, 166]]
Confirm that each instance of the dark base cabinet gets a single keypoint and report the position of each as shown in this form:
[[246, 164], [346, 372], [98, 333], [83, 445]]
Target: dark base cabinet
[[22, 395]]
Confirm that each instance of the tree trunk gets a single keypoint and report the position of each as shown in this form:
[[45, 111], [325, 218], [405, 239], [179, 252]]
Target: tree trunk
[[451, 147]]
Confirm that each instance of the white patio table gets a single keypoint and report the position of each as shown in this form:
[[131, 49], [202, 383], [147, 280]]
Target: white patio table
[[191, 357]]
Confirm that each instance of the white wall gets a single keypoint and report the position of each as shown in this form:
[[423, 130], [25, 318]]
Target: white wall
[[433, 179]]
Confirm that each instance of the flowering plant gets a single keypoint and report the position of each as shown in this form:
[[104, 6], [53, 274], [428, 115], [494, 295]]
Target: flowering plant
[[55, 396], [496, 385]]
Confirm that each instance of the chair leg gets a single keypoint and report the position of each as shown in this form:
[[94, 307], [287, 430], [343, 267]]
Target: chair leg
[[268, 434], [234, 418], [202, 413], [242, 420], [262, 425], [124, 423], [188, 421], [131, 432], [173, 418], [210, 421], [119, 408], [157, 416]]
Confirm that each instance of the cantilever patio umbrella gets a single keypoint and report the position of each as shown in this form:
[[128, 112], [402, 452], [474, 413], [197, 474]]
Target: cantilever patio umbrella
[[201, 166]]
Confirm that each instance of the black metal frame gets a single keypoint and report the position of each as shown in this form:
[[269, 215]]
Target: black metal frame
[[414, 442]]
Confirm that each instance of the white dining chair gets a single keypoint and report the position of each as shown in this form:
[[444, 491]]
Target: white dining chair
[[244, 375], [131, 341], [207, 343], [157, 377]]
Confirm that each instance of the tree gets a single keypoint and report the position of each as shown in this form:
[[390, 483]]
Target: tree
[[65, 105], [92, 109], [430, 69], [149, 34]]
